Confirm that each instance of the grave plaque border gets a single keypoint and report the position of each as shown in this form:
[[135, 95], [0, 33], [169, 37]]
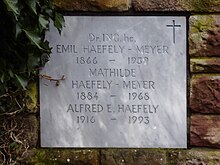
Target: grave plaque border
[[125, 83]]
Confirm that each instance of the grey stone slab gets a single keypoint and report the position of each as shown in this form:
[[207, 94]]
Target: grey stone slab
[[125, 83]]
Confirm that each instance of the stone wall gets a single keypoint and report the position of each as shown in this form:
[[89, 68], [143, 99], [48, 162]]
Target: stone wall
[[203, 94]]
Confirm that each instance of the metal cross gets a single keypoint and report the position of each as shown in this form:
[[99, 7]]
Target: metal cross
[[174, 30]]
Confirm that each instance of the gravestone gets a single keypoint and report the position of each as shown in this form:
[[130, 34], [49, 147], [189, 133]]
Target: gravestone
[[124, 86]]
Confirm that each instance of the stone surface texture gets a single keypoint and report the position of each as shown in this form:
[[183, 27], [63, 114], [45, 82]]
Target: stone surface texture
[[159, 5], [207, 65], [92, 5], [205, 131], [204, 36], [193, 157], [61, 156], [205, 94], [132, 157], [177, 5], [122, 157]]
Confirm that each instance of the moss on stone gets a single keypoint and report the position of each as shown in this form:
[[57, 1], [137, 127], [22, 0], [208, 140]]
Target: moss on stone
[[201, 5], [175, 156], [32, 98], [66, 156], [123, 156], [193, 156], [200, 23], [133, 156], [210, 157], [200, 27], [92, 5], [204, 5], [40, 157]]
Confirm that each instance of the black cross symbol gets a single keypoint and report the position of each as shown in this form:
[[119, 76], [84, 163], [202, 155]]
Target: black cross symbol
[[174, 30]]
